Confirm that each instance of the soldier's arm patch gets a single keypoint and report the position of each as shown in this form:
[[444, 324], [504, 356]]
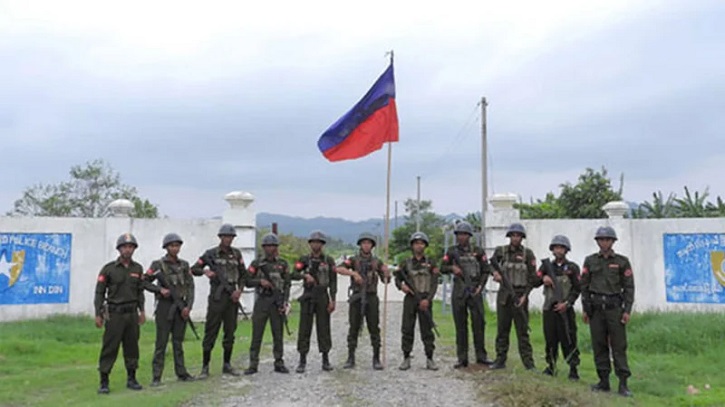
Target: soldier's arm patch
[[299, 265], [101, 278], [150, 271], [533, 262], [200, 262], [436, 270], [628, 273], [585, 270], [347, 262], [252, 269], [445, 258]]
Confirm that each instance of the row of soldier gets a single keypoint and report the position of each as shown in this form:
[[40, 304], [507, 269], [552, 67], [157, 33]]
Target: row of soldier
[[605, 283]]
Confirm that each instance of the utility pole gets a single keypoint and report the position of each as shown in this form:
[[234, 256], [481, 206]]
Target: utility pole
[[484, 173], [395, 221], [417, 214]]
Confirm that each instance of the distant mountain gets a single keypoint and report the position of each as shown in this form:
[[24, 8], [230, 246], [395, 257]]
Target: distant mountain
[[339, 228]]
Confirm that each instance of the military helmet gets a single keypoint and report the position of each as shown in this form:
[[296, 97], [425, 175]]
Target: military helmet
[[604, 232], [227, 230], [171, 238], [516, 228], [419, 236], [463, 227], [317, 235], [366, 236], [560, 240], [126, 238], [270, 239]]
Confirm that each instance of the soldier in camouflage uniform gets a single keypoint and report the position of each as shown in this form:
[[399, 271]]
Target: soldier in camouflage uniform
[[517, 264], [224, 266], [169, 319], [119, 304], [470, 269], [417, 277], [607, 285], [558, 312], [270, 277], [317, 301], [364, 269]]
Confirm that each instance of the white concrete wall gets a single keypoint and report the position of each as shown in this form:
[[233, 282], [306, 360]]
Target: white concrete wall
[[93, 245]]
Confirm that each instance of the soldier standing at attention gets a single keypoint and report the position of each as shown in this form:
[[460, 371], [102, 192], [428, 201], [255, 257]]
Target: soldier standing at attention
[[607, 285], [364, 269], [170, 318], [515, 267], [470, 270], [417, 277], [318, 300], [560, 295], [120, 287], [224, 266], [271, 278]]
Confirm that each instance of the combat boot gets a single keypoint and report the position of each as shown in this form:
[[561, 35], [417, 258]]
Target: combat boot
[[549, 371], [302, 364], [103, 388], [279, 366], [326, 366], [498, 364], [461, 364], [156, 382], [350, 363], [204, 372], [430, 364], [131, 382], [623, 389], [228, 369], [250, 370], [376, 359], [405, 365], [603, 384], [573, 373]]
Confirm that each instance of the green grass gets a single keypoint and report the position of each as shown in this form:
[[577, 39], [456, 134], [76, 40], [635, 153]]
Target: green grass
[[54, 362], [667, 352]]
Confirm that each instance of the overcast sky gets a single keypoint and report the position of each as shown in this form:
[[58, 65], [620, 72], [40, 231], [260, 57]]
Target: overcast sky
[[191, 100]]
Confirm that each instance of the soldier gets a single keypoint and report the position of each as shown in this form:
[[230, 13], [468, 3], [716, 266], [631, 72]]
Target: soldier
[[224, 266], [119, 303], [364, 270], [607, 286], [417, 277], [318, 300], [170, 318], [560, 295], [271, 278], [515, 269], [470, 269]]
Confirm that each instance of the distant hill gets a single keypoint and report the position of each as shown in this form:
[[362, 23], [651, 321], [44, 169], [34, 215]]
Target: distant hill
[[344, 229]]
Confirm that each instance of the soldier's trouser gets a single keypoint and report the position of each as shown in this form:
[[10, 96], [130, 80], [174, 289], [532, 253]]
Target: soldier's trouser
[[507, 312], [410, 312], [218, 312], [603, 324], [371, 318], [314, 311], [121, 328], [555, 334], [461, 307], [176, 327], [264, 309]]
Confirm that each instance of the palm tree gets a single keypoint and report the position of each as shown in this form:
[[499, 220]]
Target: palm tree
[[659, 207], [716, 210], [692, 206]]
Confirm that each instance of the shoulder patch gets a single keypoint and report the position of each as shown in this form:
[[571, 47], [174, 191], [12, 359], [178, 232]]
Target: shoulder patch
[[348, 262], [533, 262], [299, 265], [585, 270], [200, 262], [150, 271], [628, 273], [101, 278]]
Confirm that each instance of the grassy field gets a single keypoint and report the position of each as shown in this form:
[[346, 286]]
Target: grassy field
[[53, 362], [667, 352]]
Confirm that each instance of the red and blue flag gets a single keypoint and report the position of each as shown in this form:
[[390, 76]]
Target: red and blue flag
[[372, 122]]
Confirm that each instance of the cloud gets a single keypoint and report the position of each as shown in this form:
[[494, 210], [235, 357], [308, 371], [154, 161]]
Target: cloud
[[193, 102]]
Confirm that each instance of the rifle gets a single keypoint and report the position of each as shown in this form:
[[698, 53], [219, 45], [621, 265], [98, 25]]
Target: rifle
[[559, 298], [277, 299], [310, 293], [467, 283], [506, 283], [418, 297], [178, 305], [221, 278]]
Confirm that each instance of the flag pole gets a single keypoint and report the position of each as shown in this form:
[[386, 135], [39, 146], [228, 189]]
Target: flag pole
[[386, 244]]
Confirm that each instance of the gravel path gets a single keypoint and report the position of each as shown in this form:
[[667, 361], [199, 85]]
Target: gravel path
[[357, 387]]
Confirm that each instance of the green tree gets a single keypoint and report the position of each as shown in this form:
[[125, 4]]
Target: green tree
[[430, 223], [693, 205], [659, 207], [585, 199], [549, 208], [717, 209], [87, 194]]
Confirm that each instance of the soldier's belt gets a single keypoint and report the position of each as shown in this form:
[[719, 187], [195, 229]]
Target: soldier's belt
[[121, 308], [605, 301]]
